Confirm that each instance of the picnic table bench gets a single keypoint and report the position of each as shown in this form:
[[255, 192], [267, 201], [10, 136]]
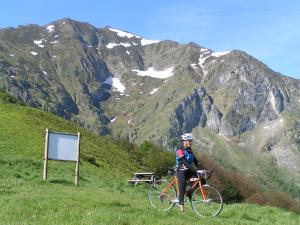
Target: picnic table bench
[[147, 177]]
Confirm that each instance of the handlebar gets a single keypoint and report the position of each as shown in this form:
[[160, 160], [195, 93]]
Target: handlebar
[[205, 174]]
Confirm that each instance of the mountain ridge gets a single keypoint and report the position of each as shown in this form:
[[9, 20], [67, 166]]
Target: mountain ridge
[[117, 83]]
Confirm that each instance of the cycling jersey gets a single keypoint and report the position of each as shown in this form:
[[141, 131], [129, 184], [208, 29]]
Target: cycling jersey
[[184, 155]]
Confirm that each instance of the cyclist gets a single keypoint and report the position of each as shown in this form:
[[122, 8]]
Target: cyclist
[[184, 166]]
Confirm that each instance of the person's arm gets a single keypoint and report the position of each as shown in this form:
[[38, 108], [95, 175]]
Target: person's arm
[[183, 160], [197, 162], [189, 166]]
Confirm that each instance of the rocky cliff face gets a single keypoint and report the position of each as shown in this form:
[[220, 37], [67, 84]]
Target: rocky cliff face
[[52, 67], [247, 91], [198, 109], [114, 82]]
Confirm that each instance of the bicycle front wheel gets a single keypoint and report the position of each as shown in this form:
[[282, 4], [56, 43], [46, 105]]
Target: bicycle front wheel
[[207, 204], [162, 195]]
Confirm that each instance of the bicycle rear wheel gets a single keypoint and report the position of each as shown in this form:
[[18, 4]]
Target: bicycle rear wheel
[[210, 206], [161, 197]]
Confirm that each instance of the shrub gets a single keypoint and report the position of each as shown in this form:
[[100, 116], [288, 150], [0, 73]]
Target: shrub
[[257, 198], [282, 200], [6, 98], [234, 188], [149, 156], [156, 158]]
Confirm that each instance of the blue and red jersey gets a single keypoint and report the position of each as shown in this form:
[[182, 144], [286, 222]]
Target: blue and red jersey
[[184, 153]]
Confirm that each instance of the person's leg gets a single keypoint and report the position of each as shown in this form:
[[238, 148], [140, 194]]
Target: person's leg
[[181, 208], [181, 187], [188, 175]]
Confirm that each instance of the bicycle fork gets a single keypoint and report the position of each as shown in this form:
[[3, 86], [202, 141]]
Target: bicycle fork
[[203, 193], [201, 189]]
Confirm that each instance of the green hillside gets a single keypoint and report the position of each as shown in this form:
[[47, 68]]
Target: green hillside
[[103, 197]]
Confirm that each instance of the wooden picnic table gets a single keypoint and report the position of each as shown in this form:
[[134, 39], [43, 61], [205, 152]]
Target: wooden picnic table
[[147, 177]]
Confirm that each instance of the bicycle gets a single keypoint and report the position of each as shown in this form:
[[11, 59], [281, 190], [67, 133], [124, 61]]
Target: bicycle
[[206, 201]]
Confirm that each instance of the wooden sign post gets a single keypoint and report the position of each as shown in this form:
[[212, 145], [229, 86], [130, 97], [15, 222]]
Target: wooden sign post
[[62, 147]]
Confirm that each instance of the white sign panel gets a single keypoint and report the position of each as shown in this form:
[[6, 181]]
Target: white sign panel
[[62, 147]]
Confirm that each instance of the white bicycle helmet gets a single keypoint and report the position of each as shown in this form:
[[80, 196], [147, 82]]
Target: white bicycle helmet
[[187, 137]]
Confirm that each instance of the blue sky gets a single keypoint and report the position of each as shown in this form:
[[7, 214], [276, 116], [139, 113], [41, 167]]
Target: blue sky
[[269, 30]]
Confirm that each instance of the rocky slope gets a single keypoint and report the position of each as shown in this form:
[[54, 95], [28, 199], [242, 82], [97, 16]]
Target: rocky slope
[[114, 82]]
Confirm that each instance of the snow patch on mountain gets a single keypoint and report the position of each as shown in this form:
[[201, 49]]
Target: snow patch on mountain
[[121, 33], [205, 54], [50, 28], [148, 42], [115, 83], [112, 45], [38, 42], [218, 54], [161, 74], [144, 41], [153, 91], [34, 53], [202, 59], [272, 101], [113, 119], [204, 50], [194, 65]]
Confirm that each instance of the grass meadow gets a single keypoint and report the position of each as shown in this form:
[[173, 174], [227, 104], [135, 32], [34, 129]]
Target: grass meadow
[[103, 195]]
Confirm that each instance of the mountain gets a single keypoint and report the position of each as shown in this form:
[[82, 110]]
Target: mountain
[[117, 83]]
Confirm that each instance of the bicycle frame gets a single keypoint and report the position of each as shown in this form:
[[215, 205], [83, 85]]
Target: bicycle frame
[[196, 181], [205, 199]]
